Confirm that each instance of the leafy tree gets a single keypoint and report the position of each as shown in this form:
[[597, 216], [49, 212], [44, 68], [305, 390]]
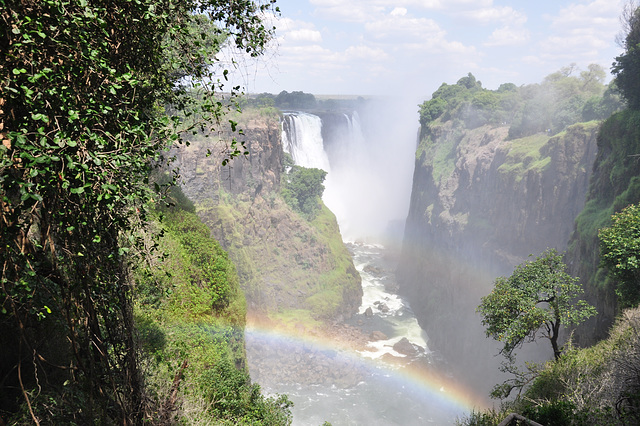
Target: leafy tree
[[626, 67], [432, 109], [620, 253], [83, 89], [538, 297], [294, 100], [303, 189], [469, 82]]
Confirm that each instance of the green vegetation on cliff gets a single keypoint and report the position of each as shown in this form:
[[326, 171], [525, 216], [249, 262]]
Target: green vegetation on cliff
[[533, 115], [284, 261], [190, 313], [302, 190], [559, 101], [614, 185]]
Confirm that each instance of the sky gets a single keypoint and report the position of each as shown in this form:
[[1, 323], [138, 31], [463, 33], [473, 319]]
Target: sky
[[410, 47]]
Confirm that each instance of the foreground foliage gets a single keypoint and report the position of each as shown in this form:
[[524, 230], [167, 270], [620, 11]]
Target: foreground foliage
[[84, 84], [620, 253]]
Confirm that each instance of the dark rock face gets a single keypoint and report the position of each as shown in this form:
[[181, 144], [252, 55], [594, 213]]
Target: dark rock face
[[483, 216], [202, 175]]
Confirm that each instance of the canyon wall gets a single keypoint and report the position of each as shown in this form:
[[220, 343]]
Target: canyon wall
[[480, 205]]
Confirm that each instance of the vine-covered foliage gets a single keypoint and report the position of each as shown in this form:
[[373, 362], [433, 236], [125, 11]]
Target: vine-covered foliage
[[83, 89]]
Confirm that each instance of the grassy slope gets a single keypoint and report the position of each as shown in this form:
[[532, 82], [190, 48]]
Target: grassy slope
[[291, 268]]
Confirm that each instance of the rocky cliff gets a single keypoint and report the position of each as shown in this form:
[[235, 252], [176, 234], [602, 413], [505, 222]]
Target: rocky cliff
[[615, 184], [480, 205], [289, 268]]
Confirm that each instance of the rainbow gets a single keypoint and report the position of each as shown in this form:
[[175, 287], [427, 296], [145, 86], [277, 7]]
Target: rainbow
[[433, 388]]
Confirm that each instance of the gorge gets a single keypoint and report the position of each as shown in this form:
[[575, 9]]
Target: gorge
[[482, 200]]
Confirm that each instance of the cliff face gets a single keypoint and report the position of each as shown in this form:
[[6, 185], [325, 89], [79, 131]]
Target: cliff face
[[615, 184], [285, 263], [480, 205]]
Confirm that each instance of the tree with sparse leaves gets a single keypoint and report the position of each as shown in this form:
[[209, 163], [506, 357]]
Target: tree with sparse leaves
[[537, 299]]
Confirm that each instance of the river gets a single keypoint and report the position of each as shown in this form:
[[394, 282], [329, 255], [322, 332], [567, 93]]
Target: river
[[371, 385]]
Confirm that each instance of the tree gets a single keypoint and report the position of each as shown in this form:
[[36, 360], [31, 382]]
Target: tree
[[538, 297], [303, 189], [626, 67], [83, 89], [620, 253]]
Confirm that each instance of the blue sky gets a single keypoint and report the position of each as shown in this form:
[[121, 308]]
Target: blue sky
[[381, 47]]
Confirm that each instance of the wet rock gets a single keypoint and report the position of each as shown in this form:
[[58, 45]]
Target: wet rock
[[373, 270], [378, 335], [405, 347], [368, 312]]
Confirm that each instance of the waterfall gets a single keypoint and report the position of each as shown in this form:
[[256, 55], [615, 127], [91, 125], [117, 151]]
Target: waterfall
[[369, 172], [369, 160], [302, 138]]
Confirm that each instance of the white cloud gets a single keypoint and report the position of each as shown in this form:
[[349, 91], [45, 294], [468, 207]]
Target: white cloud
[[304, 35], [496, 14], [399, 11], [407, 28], [367, 53], [508, 36], [583, 28]]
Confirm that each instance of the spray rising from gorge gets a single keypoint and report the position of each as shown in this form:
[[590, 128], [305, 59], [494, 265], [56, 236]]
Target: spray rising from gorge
[[368, 155]]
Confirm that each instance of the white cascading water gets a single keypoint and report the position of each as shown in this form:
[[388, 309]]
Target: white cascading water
[[367, 187], [303, 140]]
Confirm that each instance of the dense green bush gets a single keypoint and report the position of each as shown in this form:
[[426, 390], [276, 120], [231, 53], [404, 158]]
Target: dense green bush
[[620, 253], [302, 190]]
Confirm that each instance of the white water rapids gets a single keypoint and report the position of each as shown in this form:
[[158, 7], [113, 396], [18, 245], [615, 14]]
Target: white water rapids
[[383, 383]]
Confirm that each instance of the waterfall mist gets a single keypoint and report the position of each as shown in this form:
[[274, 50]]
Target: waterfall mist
[[369, 157]]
